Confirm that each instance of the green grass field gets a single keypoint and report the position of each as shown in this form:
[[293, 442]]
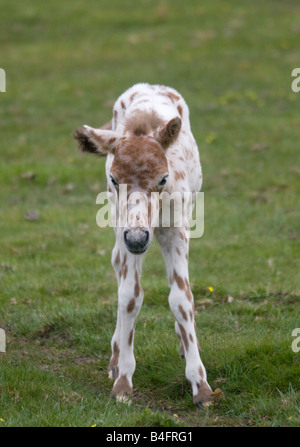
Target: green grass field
[[65, 65]]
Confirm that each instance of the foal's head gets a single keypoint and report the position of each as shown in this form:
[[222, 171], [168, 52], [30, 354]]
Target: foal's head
[[140, 163]]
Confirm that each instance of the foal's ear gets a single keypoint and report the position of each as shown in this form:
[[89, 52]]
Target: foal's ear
[[97, 141], [167, 134]]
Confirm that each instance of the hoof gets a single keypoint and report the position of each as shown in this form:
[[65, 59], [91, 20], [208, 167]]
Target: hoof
[[204, 404], [207, 397], [122, 389], [204, 397], [123, 399]]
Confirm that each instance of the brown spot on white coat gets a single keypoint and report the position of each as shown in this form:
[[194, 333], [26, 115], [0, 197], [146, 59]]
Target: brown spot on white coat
[[184, 336], [183, 313], [131, 305]]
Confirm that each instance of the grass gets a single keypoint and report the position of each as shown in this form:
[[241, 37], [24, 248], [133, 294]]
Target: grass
[[65, 65]]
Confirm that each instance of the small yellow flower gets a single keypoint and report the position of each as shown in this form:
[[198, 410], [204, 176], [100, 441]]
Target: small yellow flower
[[210, 288], [210, 138], [94, 425], [284, 44], [250, 94], [2, 420], [223, 100], [175, 415]]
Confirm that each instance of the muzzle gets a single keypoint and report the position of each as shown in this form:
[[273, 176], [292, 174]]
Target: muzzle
[[137, 240]]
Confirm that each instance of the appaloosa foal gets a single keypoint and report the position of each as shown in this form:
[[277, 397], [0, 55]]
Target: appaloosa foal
[[150, 148]]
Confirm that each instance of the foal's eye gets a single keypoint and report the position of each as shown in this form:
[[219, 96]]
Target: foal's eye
[[114, 182], [164, 180]]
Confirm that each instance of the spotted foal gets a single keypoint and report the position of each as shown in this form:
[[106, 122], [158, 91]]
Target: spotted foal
[[150, 148]]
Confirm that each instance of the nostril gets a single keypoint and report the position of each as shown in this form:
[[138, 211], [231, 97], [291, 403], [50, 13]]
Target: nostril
[[147, 234], [125, 235]]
